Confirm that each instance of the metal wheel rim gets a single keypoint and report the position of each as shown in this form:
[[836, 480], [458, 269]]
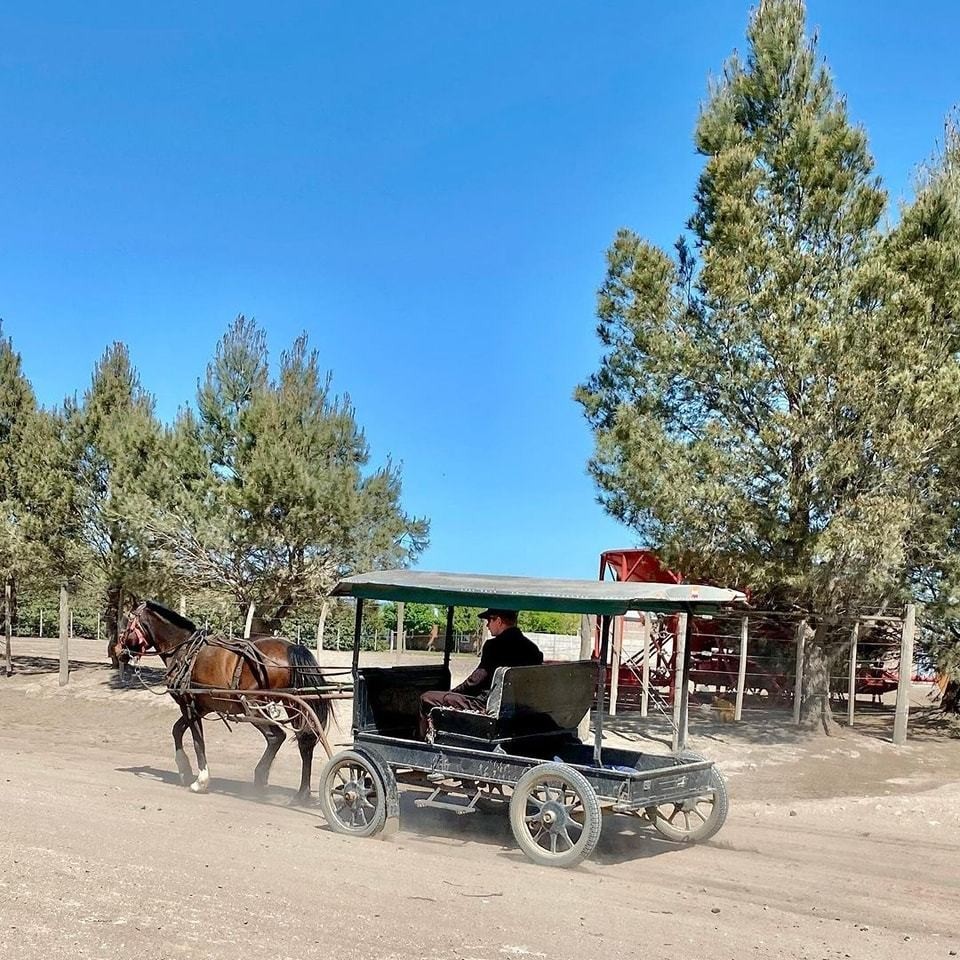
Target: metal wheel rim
[[351, 788], [555, 816]]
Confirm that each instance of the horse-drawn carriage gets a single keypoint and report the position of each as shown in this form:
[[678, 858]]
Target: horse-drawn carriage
[[523, 750]]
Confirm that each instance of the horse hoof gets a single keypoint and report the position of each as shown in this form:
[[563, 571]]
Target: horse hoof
[[202, 783], [299, 799]]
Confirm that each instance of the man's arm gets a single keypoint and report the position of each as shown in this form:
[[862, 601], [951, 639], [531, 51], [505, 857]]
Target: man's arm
[[477, 682]]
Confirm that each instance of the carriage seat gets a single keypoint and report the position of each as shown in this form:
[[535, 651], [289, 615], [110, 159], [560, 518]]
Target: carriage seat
[[546, 701]]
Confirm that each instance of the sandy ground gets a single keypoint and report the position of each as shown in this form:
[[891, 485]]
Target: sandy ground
[[839, 848]]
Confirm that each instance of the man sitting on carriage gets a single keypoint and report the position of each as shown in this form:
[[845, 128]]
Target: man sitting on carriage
[[507, 647]]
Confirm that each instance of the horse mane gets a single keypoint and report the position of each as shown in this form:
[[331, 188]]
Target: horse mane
[[170, 616]]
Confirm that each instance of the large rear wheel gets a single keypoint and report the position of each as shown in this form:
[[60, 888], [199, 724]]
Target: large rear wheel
[[352, 795], [555, 815]]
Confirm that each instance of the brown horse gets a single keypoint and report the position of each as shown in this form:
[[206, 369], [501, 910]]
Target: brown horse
[[194, 661]]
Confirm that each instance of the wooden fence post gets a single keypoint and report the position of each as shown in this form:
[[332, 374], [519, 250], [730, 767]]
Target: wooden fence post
[[401, 639], [8, 623], [798, 685], [742, 672], [906, 675], [248, 625], [66, 624], [852, 675]]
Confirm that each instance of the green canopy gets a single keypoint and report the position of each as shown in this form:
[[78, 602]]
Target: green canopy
[[530, 593]]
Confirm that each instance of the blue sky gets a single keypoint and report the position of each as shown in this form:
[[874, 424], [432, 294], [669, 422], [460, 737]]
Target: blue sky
[[426, 189]]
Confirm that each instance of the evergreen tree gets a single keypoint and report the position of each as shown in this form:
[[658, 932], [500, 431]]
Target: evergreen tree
[[925, 251], [114, 442], [773, 399], [274, 505], [17, 408]]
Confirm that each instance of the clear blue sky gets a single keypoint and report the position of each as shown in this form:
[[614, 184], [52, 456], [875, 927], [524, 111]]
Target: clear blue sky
[[427, 189]]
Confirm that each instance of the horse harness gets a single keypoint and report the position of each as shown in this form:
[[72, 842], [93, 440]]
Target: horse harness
[[183, 659]]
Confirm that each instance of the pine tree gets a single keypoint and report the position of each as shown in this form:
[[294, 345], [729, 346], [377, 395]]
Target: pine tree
[[17, 408], [274, 505], [924, 249], [769, 404], [114, 440]]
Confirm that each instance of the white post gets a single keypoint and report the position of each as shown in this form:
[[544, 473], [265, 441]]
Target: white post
[[645, 692], [98, 625], [680, 646], [401, 639], [41, 623], [742, 672], [798, 685], [588, 630], [248, 626], [852, 678], [615, 657], [906, 675], [322, 624], [183, 605], [66, 631]]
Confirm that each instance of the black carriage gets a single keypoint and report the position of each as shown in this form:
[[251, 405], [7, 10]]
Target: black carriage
[[523, 750]]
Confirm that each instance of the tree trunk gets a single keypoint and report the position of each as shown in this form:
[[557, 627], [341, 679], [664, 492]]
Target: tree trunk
[[950, 701], [815, 711], [112, 620]]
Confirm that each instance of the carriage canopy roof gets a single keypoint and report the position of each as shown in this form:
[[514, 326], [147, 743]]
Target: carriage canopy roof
[[529, 593]]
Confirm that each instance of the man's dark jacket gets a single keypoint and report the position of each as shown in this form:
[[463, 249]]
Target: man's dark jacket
[[509, 649]]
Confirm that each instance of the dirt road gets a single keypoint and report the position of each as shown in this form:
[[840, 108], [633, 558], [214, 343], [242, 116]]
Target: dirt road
[[845, 848]]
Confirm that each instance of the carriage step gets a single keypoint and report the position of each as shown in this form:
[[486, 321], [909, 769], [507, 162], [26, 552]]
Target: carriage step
[[459, 808]]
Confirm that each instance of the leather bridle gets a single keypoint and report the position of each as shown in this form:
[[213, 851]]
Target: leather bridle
[[138, 637]]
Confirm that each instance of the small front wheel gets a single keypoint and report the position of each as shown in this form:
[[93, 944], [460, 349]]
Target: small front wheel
[[696, 818], [352, 795], [555, 815]]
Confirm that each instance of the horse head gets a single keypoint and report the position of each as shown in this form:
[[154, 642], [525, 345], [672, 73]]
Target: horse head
[[152, 626], [137, 636]]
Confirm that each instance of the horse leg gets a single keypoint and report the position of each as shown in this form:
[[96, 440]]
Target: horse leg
[[274, 736], [202, 783], [306, 741], [183, 762]]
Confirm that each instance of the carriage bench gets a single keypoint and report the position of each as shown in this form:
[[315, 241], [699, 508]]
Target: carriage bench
[[539, 705]]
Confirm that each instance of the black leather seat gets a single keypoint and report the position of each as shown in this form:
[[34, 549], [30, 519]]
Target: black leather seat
[[542, 703]]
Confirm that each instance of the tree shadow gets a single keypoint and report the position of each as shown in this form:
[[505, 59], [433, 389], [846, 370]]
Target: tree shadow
[[33, 665], [774, 726]]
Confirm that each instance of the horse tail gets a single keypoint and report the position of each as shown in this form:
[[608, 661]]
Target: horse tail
[[305, 672]]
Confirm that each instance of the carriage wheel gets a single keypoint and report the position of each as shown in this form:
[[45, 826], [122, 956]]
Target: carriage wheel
[[697, 818], [555, 815], [352, 795]]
